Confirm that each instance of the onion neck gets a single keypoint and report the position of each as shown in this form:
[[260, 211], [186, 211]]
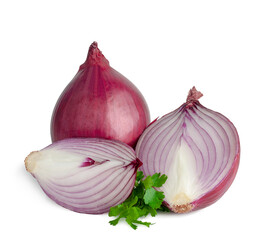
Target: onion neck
[[193, 97], [95, 57]]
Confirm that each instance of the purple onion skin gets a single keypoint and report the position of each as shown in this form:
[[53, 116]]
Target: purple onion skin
[[100, 102]]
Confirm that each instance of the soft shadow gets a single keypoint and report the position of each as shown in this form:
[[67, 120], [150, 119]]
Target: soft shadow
[[30, 181], [27, 177], [172, 214]]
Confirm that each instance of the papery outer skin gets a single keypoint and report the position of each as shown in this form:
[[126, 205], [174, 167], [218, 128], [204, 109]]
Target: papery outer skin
[[107, 182], [100, 102], [150, 165]]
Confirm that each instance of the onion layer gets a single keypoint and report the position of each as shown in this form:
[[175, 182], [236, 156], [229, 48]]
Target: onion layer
[[100, 102], [85, 175], [197, 148]]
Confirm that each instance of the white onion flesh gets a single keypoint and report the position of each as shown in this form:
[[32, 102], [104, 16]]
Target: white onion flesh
[[197, 148], [85, 175]]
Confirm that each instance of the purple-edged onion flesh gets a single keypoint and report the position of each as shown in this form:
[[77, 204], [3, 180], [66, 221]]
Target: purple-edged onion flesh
[[197, 148], [85, 175]]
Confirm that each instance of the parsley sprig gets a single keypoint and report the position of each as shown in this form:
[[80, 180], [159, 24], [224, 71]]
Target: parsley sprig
[[143, 200]]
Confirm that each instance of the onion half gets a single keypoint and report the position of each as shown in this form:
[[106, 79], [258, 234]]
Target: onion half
[[85, 175], [100, 102], [197, 148]]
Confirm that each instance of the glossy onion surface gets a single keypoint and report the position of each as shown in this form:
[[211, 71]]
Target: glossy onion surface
[[85, 175], [100, 102], [197, 148]]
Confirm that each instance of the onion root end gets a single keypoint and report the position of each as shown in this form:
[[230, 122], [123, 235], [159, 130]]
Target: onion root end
[[183, 208], [30, 161]]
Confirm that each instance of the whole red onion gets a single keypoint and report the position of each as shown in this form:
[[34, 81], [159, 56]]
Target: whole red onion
[[100, 102]]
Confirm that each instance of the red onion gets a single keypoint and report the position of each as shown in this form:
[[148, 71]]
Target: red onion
[[100, 102], [85, 175], [197, 148]]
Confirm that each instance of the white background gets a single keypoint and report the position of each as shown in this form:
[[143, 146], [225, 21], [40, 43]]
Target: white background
[[164, 48]]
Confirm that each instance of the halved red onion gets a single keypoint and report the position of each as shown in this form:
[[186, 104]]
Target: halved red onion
[[85, 175], [197, 148]]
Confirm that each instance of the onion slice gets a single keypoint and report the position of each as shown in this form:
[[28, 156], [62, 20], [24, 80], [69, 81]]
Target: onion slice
[[197, 148], [85, 175]]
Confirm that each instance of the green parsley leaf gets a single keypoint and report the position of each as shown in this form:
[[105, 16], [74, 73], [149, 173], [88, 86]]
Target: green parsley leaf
[[143, 200], [158, 180], [115, 221], [155, 180], [153, 198], [139, 176], [163, 209]]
